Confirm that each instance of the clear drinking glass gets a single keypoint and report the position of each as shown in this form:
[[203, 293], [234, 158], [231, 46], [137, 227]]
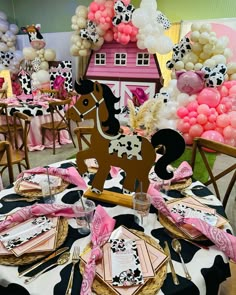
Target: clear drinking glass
[[47, 192], [141, 205], [84, 215]]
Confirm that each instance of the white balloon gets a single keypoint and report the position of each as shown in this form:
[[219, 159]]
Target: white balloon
[[49, 54], [3, 47], [14, 28], [3, 25], [164, 44], [43, 76], [140, 18], [3, 15]]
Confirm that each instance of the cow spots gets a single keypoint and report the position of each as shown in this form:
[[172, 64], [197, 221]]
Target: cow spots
[[129, 145]]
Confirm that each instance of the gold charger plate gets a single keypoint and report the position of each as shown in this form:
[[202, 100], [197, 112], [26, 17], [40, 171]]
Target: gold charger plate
[[152, 286], [180, 185], [32, 257], [38, 193]]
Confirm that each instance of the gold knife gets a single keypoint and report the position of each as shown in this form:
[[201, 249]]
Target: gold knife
[[173, 273], [54, 254]]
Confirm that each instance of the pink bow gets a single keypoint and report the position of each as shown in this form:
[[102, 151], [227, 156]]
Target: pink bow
[[101, 229], [70, 175]]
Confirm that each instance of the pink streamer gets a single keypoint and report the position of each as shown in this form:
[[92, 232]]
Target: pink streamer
[[223, 240], [70, 175], [101, 229]]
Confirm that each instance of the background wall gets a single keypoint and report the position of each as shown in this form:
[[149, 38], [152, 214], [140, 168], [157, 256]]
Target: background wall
[[55, 15]]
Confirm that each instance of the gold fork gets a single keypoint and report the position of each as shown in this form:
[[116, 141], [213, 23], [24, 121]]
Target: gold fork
[[75, 259]]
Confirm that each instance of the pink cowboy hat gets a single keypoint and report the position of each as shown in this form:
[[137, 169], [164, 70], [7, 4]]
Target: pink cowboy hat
[[140, 94]]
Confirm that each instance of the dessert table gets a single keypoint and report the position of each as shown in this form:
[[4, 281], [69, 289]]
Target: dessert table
[[208, 267], [38, 110]]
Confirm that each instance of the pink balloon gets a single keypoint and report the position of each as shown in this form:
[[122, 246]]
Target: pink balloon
[[222, 120], [190, 82], [186, 119], [209, 96], [192, 121], [213, 135], [203, 109], [192, 114], [209, 126], [183, 126], [212, 118], [232, 118], [231, 142], [195, 130], [108, 36], [192, 106], [232, 91], [93, 7], [227, 132], [202, 119], [221, 108], [182, 112], [219, 129], [224, 91], [188, 139]]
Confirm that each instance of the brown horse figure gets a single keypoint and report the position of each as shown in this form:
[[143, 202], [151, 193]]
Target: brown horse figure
[[133, 153]]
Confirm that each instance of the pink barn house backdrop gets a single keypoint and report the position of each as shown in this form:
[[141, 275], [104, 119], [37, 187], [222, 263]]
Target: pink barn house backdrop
[[124, 68]]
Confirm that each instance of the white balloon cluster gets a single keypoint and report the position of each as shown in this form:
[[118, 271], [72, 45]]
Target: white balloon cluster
[[10, 58], [173, 99], [151, 31], [207, 50], [40, 57], [80, 47]]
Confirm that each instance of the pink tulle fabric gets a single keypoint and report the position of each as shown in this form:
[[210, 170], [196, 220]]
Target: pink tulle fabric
[[101, 229]]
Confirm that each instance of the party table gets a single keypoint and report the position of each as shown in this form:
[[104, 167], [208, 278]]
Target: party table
[[37, 109], [208, 268]]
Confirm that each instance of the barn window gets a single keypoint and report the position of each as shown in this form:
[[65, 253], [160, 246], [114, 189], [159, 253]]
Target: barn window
[[100, 59], [120, 59], [142, 59]]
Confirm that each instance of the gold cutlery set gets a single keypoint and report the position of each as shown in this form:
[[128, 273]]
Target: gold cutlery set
[[64, 257], [177, 248]]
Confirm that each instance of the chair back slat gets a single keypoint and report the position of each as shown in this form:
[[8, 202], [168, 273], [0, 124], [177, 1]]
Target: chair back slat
[[203, 145]]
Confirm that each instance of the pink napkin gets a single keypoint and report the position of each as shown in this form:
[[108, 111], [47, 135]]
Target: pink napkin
[[70, 175], [101, 229], [38, 210], [224, 241]]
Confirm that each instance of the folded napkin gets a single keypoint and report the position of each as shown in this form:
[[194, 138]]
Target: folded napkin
[[223, 240], [101, 229], [39, 210], [70, 175]]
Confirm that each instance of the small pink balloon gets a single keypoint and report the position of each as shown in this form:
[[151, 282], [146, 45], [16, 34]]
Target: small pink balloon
[[232, 121], [186, 119], [183, 126], [188, 139], [232, 90], [234, 133], [209, 126], [213, 135], [224, 91], [202, 119], [93, 7], [219, 129], [182, 112], [192, 121], [222, 120], [221, 108], [209, 96], [195, 130], [192, 106], [227, 132], [203, 109], [212, 118], [192, 114]]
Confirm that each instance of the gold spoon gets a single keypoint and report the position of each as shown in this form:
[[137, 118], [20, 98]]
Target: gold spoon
[[63, 258], [177, 248]]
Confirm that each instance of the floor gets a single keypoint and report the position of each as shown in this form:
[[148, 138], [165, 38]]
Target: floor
[[45, 157]]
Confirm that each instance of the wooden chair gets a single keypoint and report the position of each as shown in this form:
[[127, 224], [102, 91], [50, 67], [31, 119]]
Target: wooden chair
[[55, 126], [82, 132], [50, 92], [19, 153], [202, 145], [3, 94], [5, 152], [7, 128]]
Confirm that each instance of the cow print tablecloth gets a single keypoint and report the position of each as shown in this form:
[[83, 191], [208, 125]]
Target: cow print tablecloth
[[208, 268]]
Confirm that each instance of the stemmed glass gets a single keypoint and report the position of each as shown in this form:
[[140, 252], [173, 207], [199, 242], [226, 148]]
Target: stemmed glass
[[141, 205]]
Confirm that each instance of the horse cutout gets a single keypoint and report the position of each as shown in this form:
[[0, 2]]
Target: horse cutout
[[132, 153]]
